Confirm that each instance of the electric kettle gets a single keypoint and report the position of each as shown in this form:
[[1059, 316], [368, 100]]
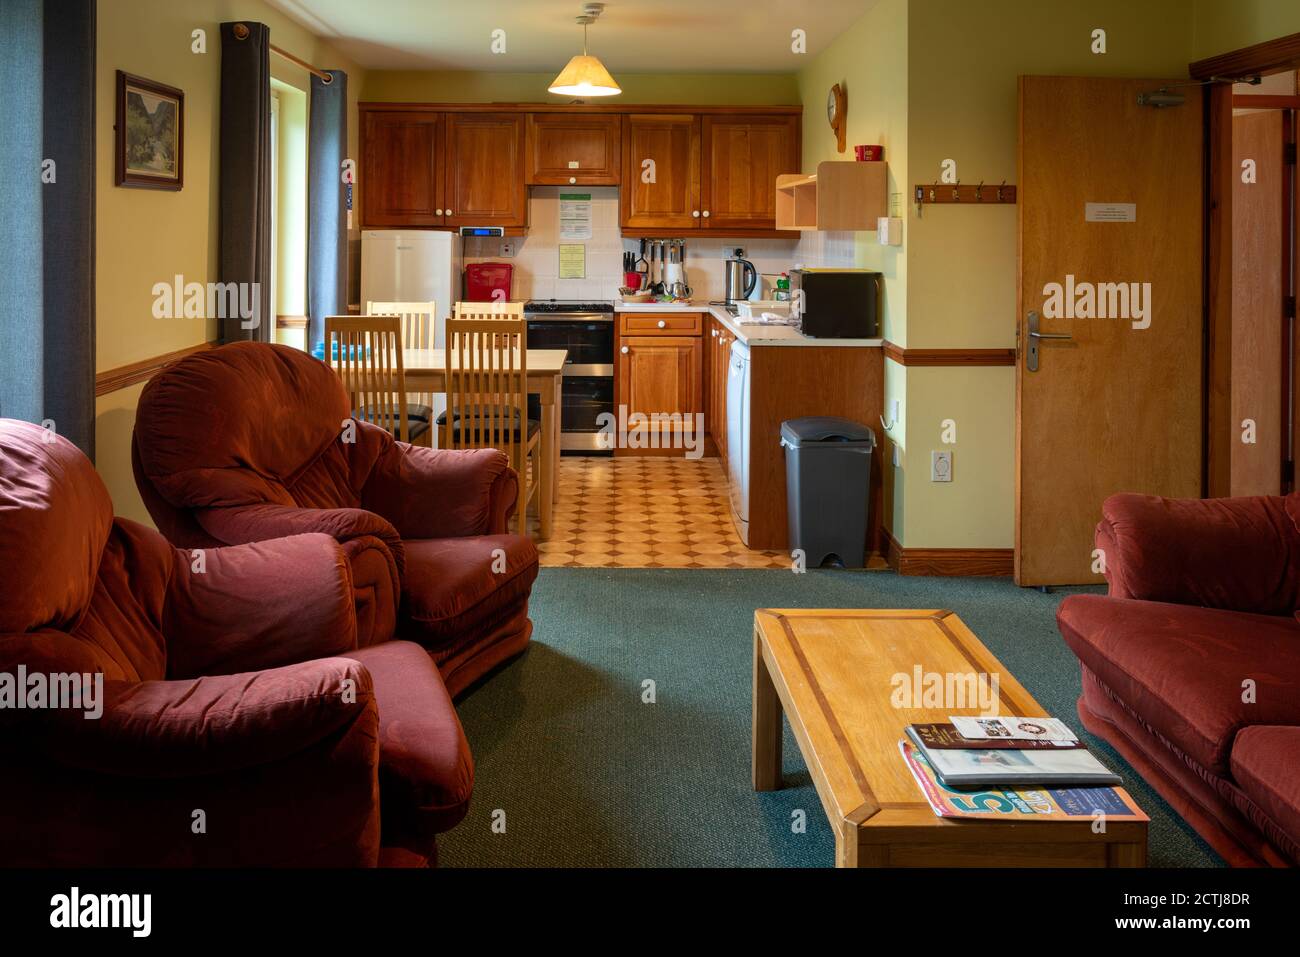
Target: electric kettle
[[740, 279]]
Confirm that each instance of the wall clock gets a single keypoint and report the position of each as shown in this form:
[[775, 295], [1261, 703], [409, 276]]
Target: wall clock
[[837, 109]]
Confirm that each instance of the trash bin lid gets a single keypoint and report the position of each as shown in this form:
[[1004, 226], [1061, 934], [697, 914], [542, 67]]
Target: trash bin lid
[[815, 430]]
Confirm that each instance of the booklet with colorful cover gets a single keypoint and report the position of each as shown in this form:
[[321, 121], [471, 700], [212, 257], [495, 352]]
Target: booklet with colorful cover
[[1022, 804], [1011, 728], [1005, 767], [945, 737]]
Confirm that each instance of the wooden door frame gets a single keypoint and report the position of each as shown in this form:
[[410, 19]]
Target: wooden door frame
[[1218, 428]]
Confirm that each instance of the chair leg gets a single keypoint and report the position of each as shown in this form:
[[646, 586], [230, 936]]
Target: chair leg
[[521, 511], [543, 489]]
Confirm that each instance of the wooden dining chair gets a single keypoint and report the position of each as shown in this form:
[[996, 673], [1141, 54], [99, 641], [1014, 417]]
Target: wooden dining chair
[[487, 395], [365, 352], [418, 323]]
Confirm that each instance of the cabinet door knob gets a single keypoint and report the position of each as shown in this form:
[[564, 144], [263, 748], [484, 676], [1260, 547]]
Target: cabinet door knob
[[662, 324], [706, 214], [695, 213], [623, 350], [573, 179], [449, 212], [715, 333], [439, 212]]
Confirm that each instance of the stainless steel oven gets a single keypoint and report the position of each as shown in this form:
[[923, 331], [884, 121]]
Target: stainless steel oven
[[586, 331]]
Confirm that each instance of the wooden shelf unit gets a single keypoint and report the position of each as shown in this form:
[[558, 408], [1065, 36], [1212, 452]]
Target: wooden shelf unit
[[841, 195]]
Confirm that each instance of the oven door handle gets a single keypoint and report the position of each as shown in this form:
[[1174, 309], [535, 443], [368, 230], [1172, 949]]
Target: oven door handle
[[591, 370]]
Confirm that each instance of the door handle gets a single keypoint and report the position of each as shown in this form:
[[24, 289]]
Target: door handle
[[1031, 351]]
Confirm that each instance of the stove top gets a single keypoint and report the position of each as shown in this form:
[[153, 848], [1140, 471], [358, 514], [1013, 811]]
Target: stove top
[[566, 305]]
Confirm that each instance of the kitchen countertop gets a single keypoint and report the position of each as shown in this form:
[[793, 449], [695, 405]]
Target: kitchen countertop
[[749, 333]]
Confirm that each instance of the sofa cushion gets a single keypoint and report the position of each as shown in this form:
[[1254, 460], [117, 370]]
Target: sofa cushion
[[453, 585], [1183, 667], [1265, 767], [55, 518], [426, 772]]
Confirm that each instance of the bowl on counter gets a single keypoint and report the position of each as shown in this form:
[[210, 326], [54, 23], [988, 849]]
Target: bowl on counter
[[629, 294]]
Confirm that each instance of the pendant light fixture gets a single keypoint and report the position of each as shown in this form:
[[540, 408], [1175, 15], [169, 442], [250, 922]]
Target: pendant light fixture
[[585, 75]]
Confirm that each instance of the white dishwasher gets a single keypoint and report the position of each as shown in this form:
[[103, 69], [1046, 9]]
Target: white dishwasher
[[738, 436]]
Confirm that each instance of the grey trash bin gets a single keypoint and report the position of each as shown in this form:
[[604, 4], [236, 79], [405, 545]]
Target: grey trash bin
[[828, 486]]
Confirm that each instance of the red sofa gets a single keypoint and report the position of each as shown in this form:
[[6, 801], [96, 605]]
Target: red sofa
[[1191, 663], [251, 441], [237, 723]]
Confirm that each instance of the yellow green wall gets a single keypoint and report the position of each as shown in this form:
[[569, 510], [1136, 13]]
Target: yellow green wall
[[869, 61], [147, 236], [1221, 26], [695, 89]]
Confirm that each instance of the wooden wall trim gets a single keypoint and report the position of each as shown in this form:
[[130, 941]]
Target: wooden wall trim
[[949, 357], [291, 322], [949, 562], [111, 380], [683, 108], [1268, 57]]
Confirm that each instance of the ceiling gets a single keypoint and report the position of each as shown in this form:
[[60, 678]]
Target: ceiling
[[645, 36]]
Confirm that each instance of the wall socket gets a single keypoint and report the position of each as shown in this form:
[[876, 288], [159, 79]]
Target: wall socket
[[507, 247], [941, 466], [737, 252]]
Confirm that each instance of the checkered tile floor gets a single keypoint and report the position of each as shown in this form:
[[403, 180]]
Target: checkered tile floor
[[646, 512]]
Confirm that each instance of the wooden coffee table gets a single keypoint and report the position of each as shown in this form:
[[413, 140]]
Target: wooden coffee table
[[831, 672]]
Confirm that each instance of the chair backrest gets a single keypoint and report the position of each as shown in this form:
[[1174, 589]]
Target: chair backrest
[[487, 381], [480, 310], [366, 354], [418, 320]]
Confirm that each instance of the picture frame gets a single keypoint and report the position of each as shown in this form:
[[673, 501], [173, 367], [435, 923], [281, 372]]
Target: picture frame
[[149, 135]]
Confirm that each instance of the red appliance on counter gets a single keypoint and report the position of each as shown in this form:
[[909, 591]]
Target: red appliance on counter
[[488, 282]]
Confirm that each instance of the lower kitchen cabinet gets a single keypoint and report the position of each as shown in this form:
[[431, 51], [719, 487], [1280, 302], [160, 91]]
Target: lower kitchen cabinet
[[660, 374], [717, 361]]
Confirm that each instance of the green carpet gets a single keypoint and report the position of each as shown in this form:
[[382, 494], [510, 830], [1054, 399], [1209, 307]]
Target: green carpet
[[589, 775]]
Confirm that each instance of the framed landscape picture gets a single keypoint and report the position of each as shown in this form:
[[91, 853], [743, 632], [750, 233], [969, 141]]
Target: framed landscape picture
[[150, 134]]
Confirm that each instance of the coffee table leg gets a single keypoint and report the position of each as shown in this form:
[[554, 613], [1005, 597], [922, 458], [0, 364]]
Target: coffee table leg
[[766, 740]]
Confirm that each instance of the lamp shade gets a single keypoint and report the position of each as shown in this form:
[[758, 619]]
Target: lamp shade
[[584, 76]]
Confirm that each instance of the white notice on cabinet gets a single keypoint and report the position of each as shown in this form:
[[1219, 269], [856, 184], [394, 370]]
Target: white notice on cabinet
[[1110, 212]]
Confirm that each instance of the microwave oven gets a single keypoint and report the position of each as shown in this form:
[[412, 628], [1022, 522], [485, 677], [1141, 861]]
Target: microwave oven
[[837, 303]]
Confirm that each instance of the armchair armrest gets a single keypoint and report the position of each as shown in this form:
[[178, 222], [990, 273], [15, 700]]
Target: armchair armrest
[[442, 493], [1232, 553], [215, 725], [238, 524], [260, 605]]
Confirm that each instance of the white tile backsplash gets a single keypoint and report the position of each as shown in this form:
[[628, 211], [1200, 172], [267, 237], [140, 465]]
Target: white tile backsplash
[[537, 260]]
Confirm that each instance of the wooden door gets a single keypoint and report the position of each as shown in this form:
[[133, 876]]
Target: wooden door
[[401, 176], [567, 150], [661, 171], [485, 170], [1116, 407], [741, 157], [662, 374], [1257, 304]]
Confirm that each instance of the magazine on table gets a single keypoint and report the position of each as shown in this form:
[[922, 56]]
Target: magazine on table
[[995, 767], [1018, 804], [1008, 727], [945, 737]]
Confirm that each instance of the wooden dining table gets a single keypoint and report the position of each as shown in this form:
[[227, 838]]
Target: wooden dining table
[[425, 371]]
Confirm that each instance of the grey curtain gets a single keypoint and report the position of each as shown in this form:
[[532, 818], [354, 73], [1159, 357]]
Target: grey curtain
[[47, 216], [327, 222], [244, 255]]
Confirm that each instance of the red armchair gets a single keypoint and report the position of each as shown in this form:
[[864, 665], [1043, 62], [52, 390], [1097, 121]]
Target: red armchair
[[1191, 663], [251, 441], [232, 720]]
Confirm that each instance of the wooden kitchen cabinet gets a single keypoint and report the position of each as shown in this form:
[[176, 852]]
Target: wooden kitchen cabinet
[[567, 150], [485, 170], [671, 197], [660, 369], [718, 346], [401, 168], [741, 157]]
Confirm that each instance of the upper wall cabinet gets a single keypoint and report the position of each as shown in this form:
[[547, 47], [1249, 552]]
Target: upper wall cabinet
[[485, 170], [661, 171], [573, 149], [401, 168], [742, 157]]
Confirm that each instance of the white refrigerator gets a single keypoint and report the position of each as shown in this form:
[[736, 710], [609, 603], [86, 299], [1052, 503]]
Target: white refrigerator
[[413, 265]]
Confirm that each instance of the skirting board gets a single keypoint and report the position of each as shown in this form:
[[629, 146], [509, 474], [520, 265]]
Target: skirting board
[[950, 562]]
